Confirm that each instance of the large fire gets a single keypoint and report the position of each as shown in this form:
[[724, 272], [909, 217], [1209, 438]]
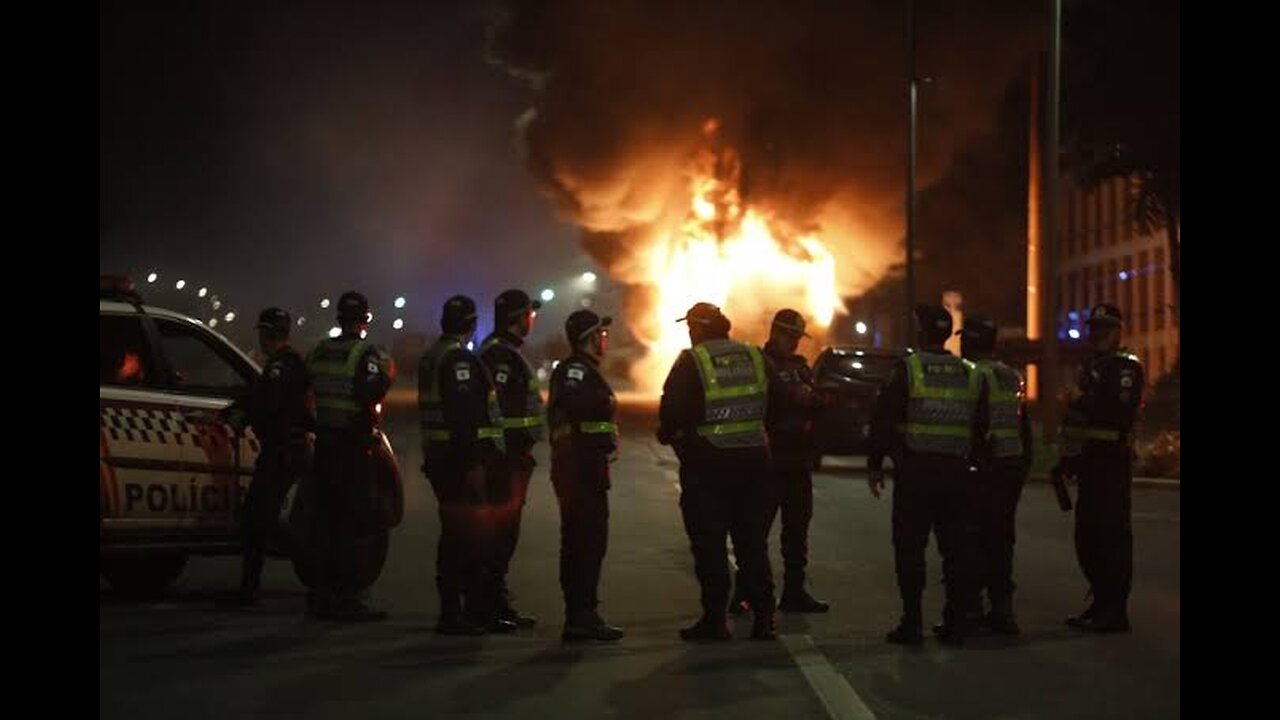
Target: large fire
[[738, 257]]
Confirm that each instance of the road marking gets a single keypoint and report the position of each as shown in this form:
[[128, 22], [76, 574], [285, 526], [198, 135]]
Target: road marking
[[840, 700]]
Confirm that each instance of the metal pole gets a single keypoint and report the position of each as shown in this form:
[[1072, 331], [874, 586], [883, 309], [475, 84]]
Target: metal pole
[[911, 171], [1049, 239]]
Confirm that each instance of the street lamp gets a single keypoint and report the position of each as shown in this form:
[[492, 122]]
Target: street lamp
[[398, 324], [399, 302], [861, 327], [548, 294]]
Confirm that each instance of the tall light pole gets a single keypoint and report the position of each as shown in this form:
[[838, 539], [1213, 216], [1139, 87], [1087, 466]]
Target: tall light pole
[[912, 91], [1049, 237]]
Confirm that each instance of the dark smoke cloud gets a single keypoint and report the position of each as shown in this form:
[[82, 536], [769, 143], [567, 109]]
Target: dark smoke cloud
[[812, 94]]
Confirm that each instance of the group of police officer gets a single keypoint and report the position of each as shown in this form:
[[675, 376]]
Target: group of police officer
[[739, 419]]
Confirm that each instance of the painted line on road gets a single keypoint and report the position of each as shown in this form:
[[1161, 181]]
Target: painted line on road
[[837, 696]]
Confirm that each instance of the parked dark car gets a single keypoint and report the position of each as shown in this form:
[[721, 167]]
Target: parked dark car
[[852, 378]]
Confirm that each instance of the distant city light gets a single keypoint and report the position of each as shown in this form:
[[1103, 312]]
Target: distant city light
[[152, 277], [398, 324], [399, 302], [302, 320], [213, 322], [202, 292], [324, 303], [548, 295], [861, 327], [335, 332], [1124, 275], [229, 317], [1074, 333], [180, 284], [217, 304], [588, 277]]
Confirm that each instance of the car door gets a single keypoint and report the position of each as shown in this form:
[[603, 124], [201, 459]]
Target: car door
[[143, 452], [205, 374]]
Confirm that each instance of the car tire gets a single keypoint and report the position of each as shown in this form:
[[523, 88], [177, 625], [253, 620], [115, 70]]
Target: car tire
[[141, 576], [366, 562]]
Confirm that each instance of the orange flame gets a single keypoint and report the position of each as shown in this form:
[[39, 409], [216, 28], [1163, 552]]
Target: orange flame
[[732, 255]]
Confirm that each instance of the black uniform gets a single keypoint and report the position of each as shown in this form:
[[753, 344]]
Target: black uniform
[[278, 408], [790, 489], [722, 491], [584, 438], [517, 389], [463, 469], [930, 492], [342, 501], [1097, 449], [999, 487]]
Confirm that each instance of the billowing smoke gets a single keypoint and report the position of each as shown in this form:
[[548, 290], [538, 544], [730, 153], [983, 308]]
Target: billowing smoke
[[810, 94]]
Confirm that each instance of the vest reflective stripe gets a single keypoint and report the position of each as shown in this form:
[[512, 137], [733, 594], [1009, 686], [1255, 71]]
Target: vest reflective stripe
[[943, 395], [734, 388], [333, 370], [533, 419], [588, 427], [1006, 394], [435, 428]]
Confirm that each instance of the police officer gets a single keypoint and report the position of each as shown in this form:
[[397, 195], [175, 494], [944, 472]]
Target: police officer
[[1003, 462], [584, 441], [789, 423], [523, 424], [279, 408], [712, 412], [1096, 449], [929, 418], [462, 446], [351, 377]]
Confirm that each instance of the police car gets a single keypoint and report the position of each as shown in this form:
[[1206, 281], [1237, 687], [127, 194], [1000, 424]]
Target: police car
[[171, 474]]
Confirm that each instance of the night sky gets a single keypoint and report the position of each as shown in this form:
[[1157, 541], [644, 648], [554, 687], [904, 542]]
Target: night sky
[[278, 155]]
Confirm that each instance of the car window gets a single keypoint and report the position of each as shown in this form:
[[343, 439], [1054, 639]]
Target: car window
[[124, 357], [199, 361], [859, 367]]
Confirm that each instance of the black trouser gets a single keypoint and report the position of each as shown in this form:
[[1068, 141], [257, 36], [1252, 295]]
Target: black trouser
[[1104, 525], [342, 511], [933, 493], [510, 493], [996, 509], [719, 500], [582, 491], [464, 555], [790, 490], [277, 468]]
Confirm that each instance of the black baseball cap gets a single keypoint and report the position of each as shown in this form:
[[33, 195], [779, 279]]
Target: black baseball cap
[[276, 320], [790, 320], [458, 313], [512, 303], [702, 313], [581, 323], [934, 320], [980, 330], [353, 306], [1105, 314]]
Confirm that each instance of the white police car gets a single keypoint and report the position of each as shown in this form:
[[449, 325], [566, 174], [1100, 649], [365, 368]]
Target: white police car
[[171, 475]]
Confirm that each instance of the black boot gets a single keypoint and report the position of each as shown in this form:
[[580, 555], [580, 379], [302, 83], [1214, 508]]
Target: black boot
[[908, 632], [707, 628], [590, 626], [1001, 619], [764, 627], [795, 599]]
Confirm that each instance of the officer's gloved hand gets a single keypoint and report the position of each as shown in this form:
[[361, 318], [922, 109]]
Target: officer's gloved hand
[[875, 481]]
